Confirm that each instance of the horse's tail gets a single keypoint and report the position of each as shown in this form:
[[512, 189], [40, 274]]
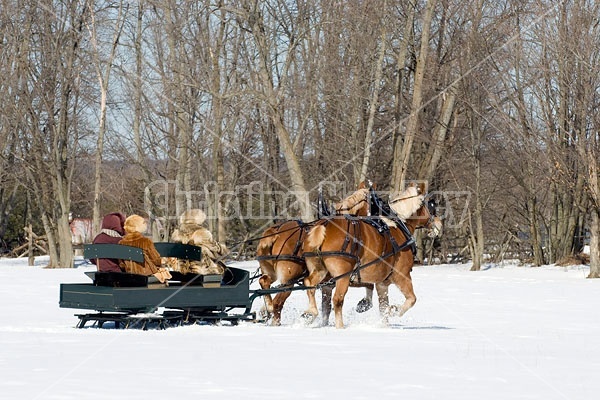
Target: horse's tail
[[315, 238]]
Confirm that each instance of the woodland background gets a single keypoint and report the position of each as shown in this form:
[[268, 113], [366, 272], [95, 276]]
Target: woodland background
[[104, 105]]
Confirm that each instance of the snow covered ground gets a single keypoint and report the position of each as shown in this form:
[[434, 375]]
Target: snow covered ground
[[506, 332]]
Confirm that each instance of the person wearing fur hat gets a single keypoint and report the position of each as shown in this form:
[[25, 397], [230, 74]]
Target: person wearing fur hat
[[111, 233], [191, 231], [134, 227]]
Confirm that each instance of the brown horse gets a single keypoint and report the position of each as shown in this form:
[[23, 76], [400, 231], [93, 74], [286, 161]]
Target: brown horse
[[354, 249], [279, 253]]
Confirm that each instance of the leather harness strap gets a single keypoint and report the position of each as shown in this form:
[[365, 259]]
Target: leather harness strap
[[289, 257], [357, 244]]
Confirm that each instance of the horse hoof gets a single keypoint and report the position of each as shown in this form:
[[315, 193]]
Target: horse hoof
[[263, 315], [391, 311], [363, 305], [394, 310], [307, 318]]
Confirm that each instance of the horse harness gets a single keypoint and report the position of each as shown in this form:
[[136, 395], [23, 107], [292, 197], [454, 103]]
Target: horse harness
[[352, 244], [293, 256]]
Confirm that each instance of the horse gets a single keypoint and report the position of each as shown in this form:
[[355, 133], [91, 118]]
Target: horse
[[280, 259], [366, 303], [279, 253], [350, 249]]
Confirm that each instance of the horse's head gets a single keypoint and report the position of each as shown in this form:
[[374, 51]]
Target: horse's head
[[425, 217], [418, 210], [408, 202]]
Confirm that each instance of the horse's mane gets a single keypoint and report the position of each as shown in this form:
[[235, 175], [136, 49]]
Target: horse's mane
[[407, 202], [353, 203]]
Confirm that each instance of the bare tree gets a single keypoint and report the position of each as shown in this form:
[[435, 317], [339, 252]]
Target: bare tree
[[103, 65], [374, 102], [403, 150], [12, 74], [50, 139], [581, 34], [472, 98], [271, 87]]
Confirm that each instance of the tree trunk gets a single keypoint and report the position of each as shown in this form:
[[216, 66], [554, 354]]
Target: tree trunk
[[103, 83], [137, 86], [475, 240], [402, 152], [400, 76], [52, 248], [181, 113], [595, 243], [477, 237], [30, 256], [298, 187], [65, 243], [218, 119], [534, 231], [436, 148], [374, 105], [590, 154]]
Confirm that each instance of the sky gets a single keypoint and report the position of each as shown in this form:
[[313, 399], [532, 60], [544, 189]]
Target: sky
[[506, 332]]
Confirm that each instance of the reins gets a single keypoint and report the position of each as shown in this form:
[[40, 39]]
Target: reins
[[300, 224], [402, 199], [339, 210], [288, 257]]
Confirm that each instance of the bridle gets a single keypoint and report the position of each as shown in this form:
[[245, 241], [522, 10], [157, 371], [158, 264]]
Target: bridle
[[399, 199], [430, 216]]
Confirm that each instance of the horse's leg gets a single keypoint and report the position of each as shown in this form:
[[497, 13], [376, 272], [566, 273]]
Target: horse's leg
[[311, 312], [326, 292], [317, 274], [404, 283], [287, 273], [382, 294], [341, 288], [384, 303], [278, 303], [265, 281], [366, 302]]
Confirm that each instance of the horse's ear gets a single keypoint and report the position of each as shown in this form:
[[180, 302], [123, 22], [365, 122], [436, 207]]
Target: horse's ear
[[413, 184], [367, 185]]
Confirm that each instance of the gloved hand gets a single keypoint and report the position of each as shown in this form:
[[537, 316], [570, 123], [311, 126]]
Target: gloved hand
[[163, 275]]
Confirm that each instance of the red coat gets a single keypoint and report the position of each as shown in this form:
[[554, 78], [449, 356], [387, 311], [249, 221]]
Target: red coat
[[111, 222]]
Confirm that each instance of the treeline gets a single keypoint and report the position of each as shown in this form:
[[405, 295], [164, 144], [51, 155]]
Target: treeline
[[247, 107]]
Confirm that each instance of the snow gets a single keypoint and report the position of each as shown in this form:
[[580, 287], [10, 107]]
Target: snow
[[506, 332]]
